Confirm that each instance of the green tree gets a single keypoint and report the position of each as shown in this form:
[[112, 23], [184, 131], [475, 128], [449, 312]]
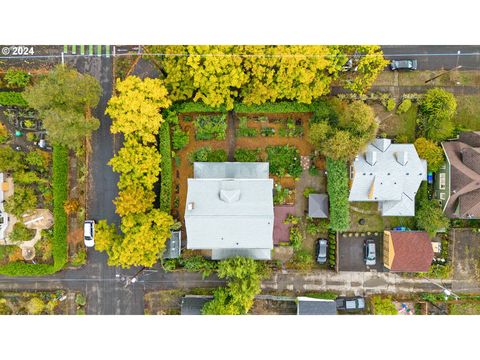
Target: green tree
[[243, 276], [64, 98], [144, 239], [10, 160], [319, 133], [105, 235], [137, 164], [337, 188], [368, 61], [431, 152], [359, 120], [436, 112], [430, 217], [133, 200], [383, 306], [22, 200]]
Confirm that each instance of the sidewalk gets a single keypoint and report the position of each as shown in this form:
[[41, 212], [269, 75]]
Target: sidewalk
[[362, 283]]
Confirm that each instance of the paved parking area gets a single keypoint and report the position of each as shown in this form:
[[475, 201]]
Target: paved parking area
[[350, 251]]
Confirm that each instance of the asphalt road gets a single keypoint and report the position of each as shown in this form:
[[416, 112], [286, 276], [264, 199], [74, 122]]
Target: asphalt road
[[436, 57]]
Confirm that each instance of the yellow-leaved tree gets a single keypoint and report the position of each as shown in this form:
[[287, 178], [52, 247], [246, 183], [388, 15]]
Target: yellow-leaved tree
[[136, 107]]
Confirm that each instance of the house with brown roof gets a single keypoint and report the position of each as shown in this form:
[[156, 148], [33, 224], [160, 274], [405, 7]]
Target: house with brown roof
[[462, 184], [407, 251]]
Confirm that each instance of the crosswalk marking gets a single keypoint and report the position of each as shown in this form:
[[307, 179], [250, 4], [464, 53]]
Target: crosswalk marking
[[88, 50]]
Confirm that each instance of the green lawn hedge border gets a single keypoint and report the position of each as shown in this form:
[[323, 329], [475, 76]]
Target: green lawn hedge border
[[278, 107], [192, 106], [59, 242], [337, 188], [166, 166]]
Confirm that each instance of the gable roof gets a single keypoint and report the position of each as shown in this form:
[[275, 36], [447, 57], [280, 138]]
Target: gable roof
[[318, 205], [463, 157], [393, 178], [412, 251], [313, 306], [232, 213]]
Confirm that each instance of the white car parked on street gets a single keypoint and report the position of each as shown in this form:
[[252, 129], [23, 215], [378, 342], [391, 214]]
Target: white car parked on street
[[88, 233]]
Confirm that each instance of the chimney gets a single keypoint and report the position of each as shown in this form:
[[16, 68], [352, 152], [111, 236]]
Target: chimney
[[402, 157], [371, 157]]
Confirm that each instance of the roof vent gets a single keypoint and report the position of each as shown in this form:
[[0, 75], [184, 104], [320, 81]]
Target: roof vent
[[402, 157], [190, 206], [371, 157], [230, 196], [382, 144]]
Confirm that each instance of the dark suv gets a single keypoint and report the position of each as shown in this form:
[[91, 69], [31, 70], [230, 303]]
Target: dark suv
[[410, 64], [350, 303]]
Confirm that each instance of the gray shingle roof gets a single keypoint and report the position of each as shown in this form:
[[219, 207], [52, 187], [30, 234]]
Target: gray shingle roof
[[312, 306], [318, 205]]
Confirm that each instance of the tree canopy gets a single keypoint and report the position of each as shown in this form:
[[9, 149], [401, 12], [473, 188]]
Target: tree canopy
[[431, 152], [220, 75], [430, 217], [63, 99], [436, 111], [136, 107]]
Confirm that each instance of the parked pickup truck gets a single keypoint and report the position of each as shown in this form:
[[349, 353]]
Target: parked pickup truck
[[350, 303]]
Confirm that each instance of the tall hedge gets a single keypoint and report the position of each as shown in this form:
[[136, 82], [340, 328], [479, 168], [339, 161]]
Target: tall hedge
[[277, 107], [59, 242], [166, 166], [337, 187], [195, 106]]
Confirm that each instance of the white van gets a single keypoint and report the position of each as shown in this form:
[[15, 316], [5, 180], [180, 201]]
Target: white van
[[88, 233]]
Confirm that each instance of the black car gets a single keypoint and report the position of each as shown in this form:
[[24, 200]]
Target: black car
[[350, 303], [410, 64]]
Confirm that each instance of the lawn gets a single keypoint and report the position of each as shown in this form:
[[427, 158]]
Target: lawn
[[466, 308], [418, 78], [408, 123], [393, 221], [468, 112], [369, 212]]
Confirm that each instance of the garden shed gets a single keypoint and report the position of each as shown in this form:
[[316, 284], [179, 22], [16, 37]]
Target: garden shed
[[318, 206]]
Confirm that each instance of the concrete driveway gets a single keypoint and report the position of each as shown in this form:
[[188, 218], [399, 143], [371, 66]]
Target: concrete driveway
[[350, 251]]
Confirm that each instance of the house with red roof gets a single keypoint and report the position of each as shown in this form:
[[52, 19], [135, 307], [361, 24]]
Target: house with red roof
[[407, 251]]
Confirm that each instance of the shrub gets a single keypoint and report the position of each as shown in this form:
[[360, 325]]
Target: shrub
[[35, 306], [323, 111], [325, 295], [166, 166], [404, 106], [383, 306], [80, 299], [337, 187], [267, 131], [244, 130], [390, 104], [209, 127], [302, 260], [280, 194], [22, 201], [307, 191], [71, 206], [198, 263], [284, 160], [431, 152], [79, 258], [21, 233], [430, 217], [247, 155], [206, 154], [12, 98], [180, 138], [16, 78], [296, 238]]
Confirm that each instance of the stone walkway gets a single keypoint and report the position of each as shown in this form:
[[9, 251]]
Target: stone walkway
[[362, 283]]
